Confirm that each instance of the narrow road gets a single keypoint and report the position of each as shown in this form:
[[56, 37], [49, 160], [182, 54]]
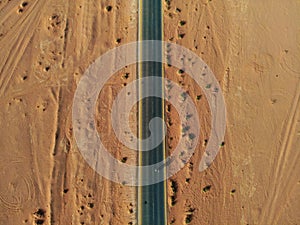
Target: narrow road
[[151, 198]]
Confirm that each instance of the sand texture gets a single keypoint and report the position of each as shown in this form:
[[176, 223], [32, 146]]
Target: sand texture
[[252, 47]]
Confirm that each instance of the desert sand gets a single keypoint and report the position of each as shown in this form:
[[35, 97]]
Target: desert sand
[[252, 47]]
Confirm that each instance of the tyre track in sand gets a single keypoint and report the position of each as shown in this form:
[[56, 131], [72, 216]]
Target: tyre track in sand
[[285, 165], [18, 189], [13, 52]]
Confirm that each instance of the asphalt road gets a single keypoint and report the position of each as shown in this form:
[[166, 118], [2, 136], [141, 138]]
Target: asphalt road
[[151, 198]]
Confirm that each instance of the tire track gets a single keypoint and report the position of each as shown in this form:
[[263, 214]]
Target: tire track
[[16, 188], [18, 44], [281, 172], [85, 22], [5, 12], [196, 26], [216, 43], [35, 164]]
